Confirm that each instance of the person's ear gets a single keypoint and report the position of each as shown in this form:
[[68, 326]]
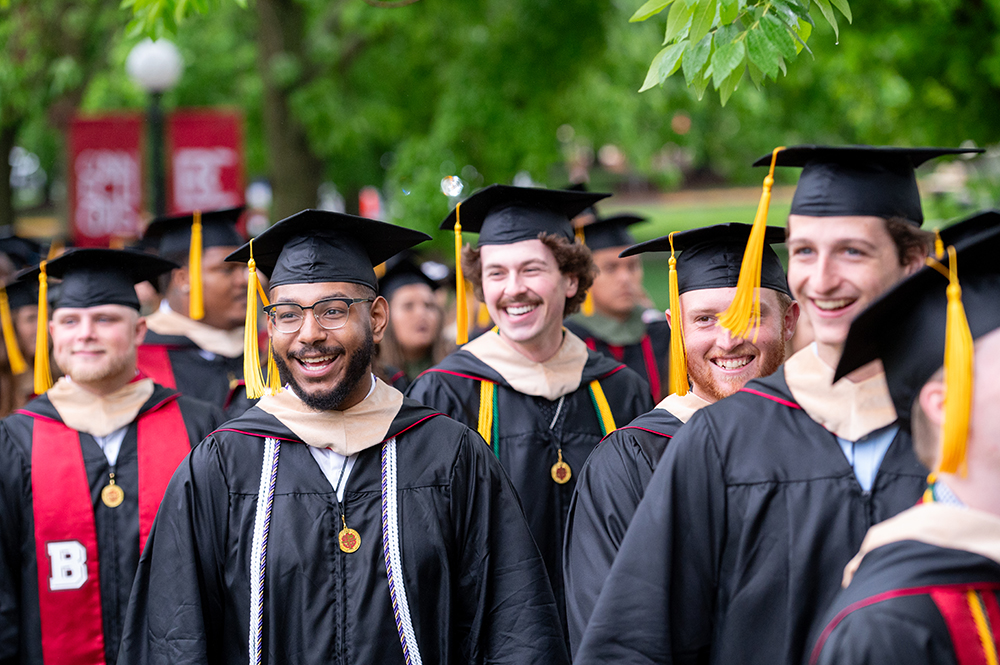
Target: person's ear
[[140, 330], [931, 399], [791, 319], [379, 316]]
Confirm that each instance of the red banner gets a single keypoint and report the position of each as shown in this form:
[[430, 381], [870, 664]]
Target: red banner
[[206, 160], [105, 179]]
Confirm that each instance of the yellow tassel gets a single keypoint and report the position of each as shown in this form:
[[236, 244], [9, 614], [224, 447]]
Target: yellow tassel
[[958, 360], [938, 245], [252, 374], [380, 270], [678, 379], [14, 356], [743, 314], [55, 249], [482, 316], [43, 374], [273, 378], [196, 303], [461, 309], [587, 308]]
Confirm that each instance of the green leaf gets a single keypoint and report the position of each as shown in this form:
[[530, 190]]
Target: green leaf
[[650, 8], [778, 34], [678, 20], [666, 62], [726, 34], [805, 29], [831, 18], [725, 60], [729, 10], [763, 53], [700, 85], [844, 8], [695, 58], [795, 9], [730, 85], [756, 76], [704, 16]]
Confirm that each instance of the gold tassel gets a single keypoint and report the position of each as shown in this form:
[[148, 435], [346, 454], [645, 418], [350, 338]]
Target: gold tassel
[[196, 303], [43, 373], [587, 308], [252, 374], [938, 245], [273, 377], [14, 356], [461, 308], [55, 249], [380, 270], [744, 312], [678, 379], [958, 361], [482, 316]]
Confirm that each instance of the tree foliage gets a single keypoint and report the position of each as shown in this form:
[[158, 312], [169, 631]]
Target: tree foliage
[[717, 42]]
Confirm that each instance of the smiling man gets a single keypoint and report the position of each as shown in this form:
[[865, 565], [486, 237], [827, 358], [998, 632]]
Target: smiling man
[[337, 521], [761, 499], [195, 340], [85, 466], [614, 479], [538, 396]]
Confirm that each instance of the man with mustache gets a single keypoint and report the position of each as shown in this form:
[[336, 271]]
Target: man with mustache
[[336, 520], [614, 479], [762, 498], [925, 586], [539, 397], [85, 465], [195, 340]]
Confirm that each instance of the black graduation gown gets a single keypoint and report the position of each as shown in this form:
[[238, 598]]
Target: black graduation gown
[[117, 529], [217, 380], [869, 623], [608, 490], [476, 584], [742, 536], [527, 447], [633, 355]]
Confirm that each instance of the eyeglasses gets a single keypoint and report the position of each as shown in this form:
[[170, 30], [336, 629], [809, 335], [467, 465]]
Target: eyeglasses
[[330, 313]]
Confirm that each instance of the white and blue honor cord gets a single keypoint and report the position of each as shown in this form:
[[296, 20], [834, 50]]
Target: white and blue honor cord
[[390, 548]]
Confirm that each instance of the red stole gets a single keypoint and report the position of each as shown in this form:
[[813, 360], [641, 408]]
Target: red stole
[[153, 361], [69, 589]]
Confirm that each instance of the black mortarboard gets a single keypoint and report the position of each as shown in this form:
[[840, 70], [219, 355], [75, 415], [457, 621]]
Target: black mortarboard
[[22, 292], [710, 257], [321, 246], [905, 327], [609, 231], [92, 277], [858, 180], [967, 230], [504, 214], [23, 252], [171, 236], [401, 271]]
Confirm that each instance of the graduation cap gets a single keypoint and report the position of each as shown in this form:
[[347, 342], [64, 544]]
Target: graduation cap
[[505, 214], [23, 252], [17, 294], [966, 230], [310, 247], [853, 180], [190, 234], [400, 271], [710, 258], [927, 319], [605, 233], [90, 278]]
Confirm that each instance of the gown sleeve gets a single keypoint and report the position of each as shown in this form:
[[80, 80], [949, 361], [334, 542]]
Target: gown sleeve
[[658, 602], [175, 610], [608, 491], [432, 390], [12, 502], [878, 637], [504, 596]]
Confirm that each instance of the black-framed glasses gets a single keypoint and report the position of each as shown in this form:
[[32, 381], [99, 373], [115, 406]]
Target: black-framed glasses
[[330, 313]]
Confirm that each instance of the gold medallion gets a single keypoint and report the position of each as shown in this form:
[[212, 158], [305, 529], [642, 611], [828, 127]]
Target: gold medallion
[[350, 540], [112, 495], [561, 473]]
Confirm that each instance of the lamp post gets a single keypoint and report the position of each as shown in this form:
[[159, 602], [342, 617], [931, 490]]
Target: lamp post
[[155, 66]]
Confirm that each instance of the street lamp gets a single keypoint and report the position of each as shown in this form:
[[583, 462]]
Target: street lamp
[[156, 67]]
